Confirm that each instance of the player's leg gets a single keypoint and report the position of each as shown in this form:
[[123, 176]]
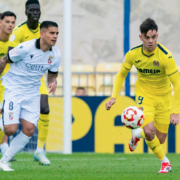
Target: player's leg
[[10, 120], [147, 105], [4, 144], [161, 123], [28, 112], [43, 126]]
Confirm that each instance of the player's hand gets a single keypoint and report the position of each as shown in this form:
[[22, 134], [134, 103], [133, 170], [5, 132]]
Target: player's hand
[[110, 103], [52, 87], [174, 119]]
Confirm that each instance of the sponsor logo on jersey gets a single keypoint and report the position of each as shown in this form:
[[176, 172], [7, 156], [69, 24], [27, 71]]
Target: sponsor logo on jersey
[[137, 61], [26, 37], [156, 63], [11, 116], [35, 67], [50, 59], [149, 71], [169, 57]]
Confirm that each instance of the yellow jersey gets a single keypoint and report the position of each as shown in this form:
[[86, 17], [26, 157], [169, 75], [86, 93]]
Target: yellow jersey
[[22, 33], [153, 69], [3, 52], [155, 73]]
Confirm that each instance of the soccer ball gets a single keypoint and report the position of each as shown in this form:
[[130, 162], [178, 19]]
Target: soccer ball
[[132, 117]]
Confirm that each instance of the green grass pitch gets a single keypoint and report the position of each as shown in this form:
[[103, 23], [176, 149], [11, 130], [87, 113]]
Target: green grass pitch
[[87, 166]]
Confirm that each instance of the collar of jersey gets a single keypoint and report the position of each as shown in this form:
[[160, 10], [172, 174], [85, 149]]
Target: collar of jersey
[[33, 31], [38, 45], [145, 53]]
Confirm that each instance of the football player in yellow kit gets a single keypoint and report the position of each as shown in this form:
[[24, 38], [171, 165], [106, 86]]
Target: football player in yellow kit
[[156, 70], [26, 31], [7, 25]]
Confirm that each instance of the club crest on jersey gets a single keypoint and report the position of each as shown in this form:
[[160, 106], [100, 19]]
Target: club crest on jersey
[[11, 116], [156, 63], [50, 59]]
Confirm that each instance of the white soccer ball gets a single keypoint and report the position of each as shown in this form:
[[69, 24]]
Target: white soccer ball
[[132, 117]]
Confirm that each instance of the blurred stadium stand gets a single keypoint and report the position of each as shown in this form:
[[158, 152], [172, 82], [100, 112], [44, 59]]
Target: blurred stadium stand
[[97, 81]]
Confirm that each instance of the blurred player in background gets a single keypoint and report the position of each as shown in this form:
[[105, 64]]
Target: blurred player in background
[[29, 62], [26, 31], [156, 70], [80, 91], [7, 25]]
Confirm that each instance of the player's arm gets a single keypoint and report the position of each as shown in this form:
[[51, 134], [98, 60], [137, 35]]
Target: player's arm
[[120, 77], [52, 82], [173, 74], [3, 61], [53, 73]]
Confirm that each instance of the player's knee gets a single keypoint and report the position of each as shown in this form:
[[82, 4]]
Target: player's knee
[[9, 131], [162, 140], [28, 131], [149, 135], [44, 109]]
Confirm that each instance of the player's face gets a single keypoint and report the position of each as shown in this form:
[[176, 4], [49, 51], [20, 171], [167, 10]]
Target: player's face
[[8, 24], [80, 92], [33, 13], [149, 40], [50, 35]]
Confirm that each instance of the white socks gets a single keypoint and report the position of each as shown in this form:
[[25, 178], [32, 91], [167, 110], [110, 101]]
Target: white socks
[[165, 159], [4, 147], [17, 144], [39, 150], [137, 132]]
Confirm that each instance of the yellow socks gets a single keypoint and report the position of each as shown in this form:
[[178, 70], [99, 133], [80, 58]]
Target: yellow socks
[[43, 128], [155, 146], [1, 135]]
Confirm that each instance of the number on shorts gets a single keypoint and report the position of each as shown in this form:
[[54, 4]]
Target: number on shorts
[[140, 99], [11, 106]]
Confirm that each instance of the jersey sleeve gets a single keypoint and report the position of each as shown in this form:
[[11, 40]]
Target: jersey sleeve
[[170, 65], [173, 74], [16, 54], [54, 69], [128, 60], [16, 38]]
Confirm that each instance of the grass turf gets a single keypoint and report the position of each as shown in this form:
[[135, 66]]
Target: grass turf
[[85, 166]]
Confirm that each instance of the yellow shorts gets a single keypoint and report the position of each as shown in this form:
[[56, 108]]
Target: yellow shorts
[[43, 88], [155, 108]]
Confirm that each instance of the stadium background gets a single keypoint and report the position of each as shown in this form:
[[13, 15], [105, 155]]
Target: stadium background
[[98, 30]]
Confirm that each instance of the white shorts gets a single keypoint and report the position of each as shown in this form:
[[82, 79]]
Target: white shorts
[[17, 106]]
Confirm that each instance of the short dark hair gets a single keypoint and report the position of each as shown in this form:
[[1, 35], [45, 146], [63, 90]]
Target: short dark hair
[[47, 24], [31, 2], [7, 13], [148, 24], [82, 88]]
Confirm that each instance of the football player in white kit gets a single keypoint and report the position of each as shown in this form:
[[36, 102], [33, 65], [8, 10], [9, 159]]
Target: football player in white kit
[[29, 62]]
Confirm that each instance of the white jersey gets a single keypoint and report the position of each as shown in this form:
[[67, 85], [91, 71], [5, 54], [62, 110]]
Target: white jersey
[[30, 63]]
